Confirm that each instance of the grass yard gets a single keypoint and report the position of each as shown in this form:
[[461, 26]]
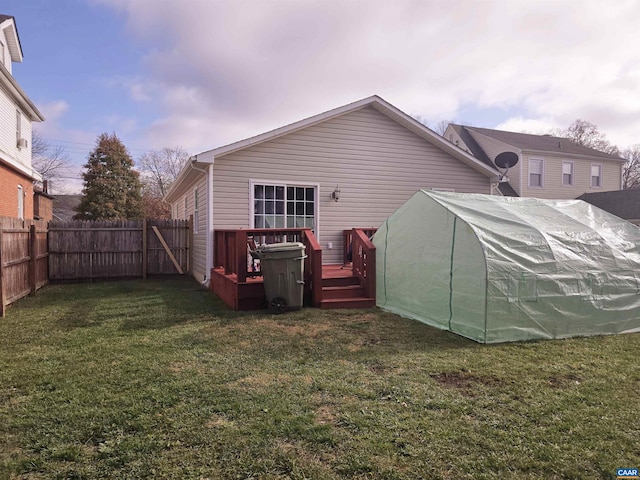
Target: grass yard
[[158, 379]]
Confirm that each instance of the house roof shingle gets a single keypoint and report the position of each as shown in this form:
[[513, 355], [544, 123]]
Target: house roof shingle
[[622, 203], [541, 143]]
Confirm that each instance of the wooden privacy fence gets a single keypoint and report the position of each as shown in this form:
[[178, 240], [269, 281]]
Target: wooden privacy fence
[[23, 258], [83, 250]]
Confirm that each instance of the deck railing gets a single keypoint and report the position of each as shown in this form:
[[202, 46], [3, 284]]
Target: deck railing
[[232, 252], [363, 257], [347, 242]]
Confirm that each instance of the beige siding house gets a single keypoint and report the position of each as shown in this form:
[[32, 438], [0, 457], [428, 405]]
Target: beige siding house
[[548, 167], [369, 154]]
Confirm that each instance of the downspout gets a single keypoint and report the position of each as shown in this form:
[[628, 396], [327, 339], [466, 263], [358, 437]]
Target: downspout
[[209, 209]]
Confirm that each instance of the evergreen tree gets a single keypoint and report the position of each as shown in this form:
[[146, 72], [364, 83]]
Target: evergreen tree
[[112, 189]]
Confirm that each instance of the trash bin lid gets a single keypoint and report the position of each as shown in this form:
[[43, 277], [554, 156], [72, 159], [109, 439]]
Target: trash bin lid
[[281, 247]]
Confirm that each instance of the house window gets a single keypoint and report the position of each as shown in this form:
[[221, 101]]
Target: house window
[[18, 126], [196, 216], [596, 175], [283, 206], [536, 172], [567, 173], [20, 202]]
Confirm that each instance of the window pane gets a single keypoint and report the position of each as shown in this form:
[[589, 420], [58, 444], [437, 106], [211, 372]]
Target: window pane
[[299, 208], [309, 209], [269, 206], [535, 166], [309, 194], [259, 221], [290, 208], [299, 193], [291, 222], [280, 207], [566, 179], [258, 191], [290, 193], [269, 191], [280, 193], [567, 168], [535, 180], [258, 206], [279, 222]]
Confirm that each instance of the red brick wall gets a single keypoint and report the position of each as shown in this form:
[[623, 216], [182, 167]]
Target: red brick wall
[[9, 181]]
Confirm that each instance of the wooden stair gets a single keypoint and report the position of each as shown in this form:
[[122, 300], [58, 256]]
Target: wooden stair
[[340, 289]]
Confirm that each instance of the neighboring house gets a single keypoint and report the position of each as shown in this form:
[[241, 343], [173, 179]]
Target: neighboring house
[[548, 167], [371, 155], [622, 203], [17, 113], [65, 207]]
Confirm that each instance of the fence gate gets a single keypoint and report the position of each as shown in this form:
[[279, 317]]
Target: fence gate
[[84, 250]]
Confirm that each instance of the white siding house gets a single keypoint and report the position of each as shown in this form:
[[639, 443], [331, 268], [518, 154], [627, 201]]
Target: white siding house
[[17, 113], [370, 153]]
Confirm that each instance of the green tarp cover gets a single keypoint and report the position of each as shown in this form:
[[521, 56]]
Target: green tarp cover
[[498, 269]]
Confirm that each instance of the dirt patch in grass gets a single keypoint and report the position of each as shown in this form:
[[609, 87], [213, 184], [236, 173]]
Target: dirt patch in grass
[[565, 380], [466, 382]]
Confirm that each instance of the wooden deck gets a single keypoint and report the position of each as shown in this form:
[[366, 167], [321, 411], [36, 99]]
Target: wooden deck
[[325, 286]]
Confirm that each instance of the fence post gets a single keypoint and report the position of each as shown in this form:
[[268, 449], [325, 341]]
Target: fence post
[[144, 249], [2, 305], [33, 254]]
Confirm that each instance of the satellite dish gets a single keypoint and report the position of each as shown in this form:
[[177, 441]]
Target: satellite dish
[[506, 160]]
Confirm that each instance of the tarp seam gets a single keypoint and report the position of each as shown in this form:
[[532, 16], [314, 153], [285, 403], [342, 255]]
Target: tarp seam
[[453, 246]]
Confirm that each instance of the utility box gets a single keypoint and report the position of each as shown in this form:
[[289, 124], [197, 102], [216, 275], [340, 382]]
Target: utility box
[[282, 267]]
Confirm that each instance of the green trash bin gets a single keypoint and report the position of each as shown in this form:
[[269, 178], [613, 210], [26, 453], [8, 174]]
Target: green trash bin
[[282, 267]]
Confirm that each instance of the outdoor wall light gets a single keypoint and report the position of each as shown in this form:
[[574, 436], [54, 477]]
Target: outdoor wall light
[[336, 194]]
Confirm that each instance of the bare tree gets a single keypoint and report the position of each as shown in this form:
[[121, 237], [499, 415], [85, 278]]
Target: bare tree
[[631, 173], [52, 162], [587, 134], [160, 168]]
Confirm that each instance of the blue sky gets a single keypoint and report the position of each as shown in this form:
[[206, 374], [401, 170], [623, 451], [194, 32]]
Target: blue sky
[[203, 73]]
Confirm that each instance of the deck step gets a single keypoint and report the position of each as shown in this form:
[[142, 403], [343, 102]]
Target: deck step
[[344, 291], [340, 281], [355, 302]]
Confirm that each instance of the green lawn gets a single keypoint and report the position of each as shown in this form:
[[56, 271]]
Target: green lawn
[[158, 379]]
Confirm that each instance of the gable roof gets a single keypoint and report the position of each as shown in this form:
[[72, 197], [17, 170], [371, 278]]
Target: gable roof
[[384, 107], [8, 24], [540, 143], [622, 203]]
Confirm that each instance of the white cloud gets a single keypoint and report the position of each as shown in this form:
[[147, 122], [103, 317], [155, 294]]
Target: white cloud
[[224, 70]]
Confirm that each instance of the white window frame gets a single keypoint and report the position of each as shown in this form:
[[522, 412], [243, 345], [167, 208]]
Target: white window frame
[[572, 181], [599, 165], [541, 160], [196, 212], [18, 127], [20, 202], [286, 183]]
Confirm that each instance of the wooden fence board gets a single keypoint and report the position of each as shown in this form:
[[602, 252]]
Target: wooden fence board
[[23, 259], [81, 250]]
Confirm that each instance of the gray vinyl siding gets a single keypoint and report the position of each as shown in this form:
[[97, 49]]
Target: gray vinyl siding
[[200, 238], [377, 163]]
